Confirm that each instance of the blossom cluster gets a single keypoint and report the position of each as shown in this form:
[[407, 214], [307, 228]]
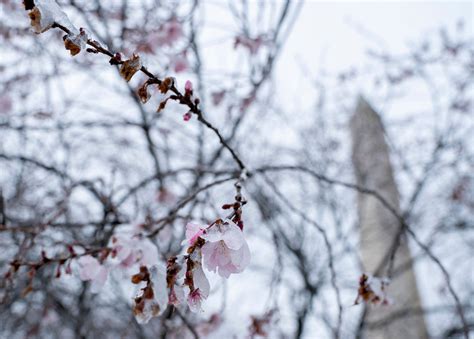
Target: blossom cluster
[[219, 247]]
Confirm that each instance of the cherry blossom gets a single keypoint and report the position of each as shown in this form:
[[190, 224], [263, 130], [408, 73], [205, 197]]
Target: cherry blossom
[[225, 249], [129, 249], [176, 296], [91, 270], [153, 299], [193, 232], [200, 291], [180, 63], [170, 32], [196, 284], [188, 86]]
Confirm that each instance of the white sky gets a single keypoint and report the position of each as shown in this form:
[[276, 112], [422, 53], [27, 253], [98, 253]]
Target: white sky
[[336, 35]]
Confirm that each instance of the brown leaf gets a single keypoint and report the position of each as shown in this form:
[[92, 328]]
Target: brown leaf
[[74, 43], [143, 92], [130, 67], [166, 84]]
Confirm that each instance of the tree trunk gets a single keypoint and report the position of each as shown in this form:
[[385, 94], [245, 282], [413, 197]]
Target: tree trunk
[[378, 232]]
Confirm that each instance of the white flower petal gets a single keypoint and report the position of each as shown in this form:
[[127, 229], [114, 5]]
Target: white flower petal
[[212, 234], [158, 279], [233, 236], [201, 282]]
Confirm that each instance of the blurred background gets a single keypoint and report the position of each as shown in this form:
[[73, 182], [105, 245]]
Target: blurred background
[[353, 120]]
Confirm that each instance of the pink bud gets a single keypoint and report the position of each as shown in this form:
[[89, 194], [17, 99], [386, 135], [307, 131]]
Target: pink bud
[[187, 116], [188, 87]]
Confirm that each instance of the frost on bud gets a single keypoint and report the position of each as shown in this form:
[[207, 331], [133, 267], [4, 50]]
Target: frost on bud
[[45, 14], [38, 22], [162, 105], [130, 67], [153, 299], [74, 43], [166, 84], [143, 92], [188, 87]]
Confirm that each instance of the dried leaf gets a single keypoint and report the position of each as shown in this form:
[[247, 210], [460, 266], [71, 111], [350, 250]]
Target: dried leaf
[[143, 92], [74, 43], [162, 105], [130, 67], [166, 84], [45, 14]]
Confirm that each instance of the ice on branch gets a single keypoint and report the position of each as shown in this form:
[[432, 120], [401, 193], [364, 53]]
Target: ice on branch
[[46, 13], [130, 67], [143, 92], [74, 43], [90, 269], [373, 290], [152, 300], [225, 250]]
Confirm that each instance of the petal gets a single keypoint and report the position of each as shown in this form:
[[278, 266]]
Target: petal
[[99, 280], [88, 267], [241, 258], [158, 279], [148, 253], [194, 301], [222, 254], [233, 236], [225, 271], [209, 257], [201, 282], [191, 230], [212, 234]]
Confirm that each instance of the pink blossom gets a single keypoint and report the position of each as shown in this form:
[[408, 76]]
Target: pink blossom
[[91, 270], [201, 289], [252, 44], [180, 63], [156, 305], [225, 249], [130, 249], [193, 232], [176, 296], [5, 104], [170, 32], [194, 300], [217, 97], [188, 86]]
